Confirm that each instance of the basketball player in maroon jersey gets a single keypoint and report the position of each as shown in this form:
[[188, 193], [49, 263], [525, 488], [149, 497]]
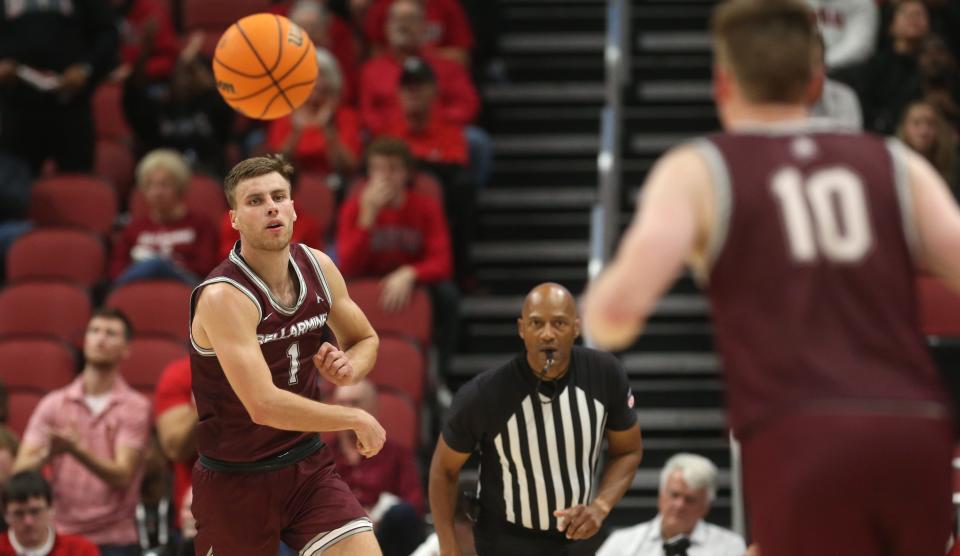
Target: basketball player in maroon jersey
[[259, 323], [807, 240]]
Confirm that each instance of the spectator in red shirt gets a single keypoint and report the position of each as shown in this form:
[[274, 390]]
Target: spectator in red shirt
[[147, 34], [321, 136], [329, 32], [388, 485], [389, 230], [27, 501], [447, 29], [379, 77], [429, 138], [170, 241], [176, 422]]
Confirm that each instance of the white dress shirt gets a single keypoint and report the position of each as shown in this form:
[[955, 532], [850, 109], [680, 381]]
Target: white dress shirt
[[645, 540]]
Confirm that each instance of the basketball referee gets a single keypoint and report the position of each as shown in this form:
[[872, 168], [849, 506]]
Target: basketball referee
[[539, 422]]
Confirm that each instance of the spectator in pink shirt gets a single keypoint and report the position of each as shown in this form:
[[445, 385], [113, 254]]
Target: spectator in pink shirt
[[93, 434]]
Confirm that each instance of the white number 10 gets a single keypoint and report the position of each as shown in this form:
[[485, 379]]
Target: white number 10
[[842, 235]]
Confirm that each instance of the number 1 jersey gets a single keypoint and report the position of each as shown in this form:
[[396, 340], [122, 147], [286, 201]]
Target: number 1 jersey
[[811, 275], [288, 337]]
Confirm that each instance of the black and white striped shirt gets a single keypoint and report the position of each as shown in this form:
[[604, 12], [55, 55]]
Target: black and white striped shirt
[[538, 457]]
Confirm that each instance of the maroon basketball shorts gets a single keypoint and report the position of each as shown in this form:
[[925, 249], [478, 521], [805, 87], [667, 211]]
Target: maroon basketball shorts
[[854, 483], [306, 505]]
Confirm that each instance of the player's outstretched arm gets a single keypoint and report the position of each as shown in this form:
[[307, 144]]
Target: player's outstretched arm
[[937, 219], [662, 237], [444, 478], [227, 319], [356, 336]]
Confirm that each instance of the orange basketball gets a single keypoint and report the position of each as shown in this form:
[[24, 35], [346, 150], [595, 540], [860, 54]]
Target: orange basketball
[[265, 66]]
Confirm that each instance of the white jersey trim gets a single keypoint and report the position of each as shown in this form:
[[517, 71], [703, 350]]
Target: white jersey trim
[[282, 309], [209, 352], [723, 201], [325, 540], [901, 181], [316, 267]]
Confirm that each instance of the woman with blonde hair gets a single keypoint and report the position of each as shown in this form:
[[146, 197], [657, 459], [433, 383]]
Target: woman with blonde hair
[[925, 131]]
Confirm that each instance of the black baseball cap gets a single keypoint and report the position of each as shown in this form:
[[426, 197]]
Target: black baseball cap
[[416, 71]]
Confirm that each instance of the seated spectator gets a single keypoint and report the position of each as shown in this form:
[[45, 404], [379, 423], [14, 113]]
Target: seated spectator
[[447, 29], [147, 37], [388, 230], [924, 130], [321, 136], [330, 33], [891, 79], [388, 486], [28, 507], [688, 485], [189, 115], [379, 77], [93, 434], [9, 444], [462, 528], [849, 30], [941, 79], [429, 138], [170, 241], [837, 101], [176, 422]]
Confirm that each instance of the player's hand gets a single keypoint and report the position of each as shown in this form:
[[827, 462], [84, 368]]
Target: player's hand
[[74, 79], [396, 287], [334, 365], [580, 521], [8, 70], [370, 435]]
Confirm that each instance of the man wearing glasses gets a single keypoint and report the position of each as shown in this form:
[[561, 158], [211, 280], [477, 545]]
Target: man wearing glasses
[[27, 498]]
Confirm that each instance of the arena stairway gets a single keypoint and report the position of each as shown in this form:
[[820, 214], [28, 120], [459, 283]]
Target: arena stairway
[[543, 115]]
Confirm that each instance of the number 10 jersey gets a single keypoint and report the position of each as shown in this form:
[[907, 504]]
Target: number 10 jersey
[[811, 274]]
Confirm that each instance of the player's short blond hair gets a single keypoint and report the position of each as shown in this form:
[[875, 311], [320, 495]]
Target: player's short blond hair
[[768, 46], [171, 161], [254, 168]]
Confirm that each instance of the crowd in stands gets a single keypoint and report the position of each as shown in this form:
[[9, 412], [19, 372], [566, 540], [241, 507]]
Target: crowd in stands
[[112, 146]]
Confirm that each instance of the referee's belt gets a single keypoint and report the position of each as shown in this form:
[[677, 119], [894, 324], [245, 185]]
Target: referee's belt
[[298, 452]]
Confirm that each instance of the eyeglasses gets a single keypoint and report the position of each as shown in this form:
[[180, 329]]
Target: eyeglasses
[[22, 513]]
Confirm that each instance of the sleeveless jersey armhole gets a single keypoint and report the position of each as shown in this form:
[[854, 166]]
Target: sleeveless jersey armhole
[[316, 267], [722, 206], [194, 297], [901, 180]]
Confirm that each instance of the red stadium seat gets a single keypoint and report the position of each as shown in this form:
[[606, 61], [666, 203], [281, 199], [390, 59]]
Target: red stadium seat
[[939, 308], [155, 307], [57, 254], [54, 310], [148, 357], [204, 197], [74, 200], [36, 364], [413, 322], [20, 404], [423, 183], [400, 367], [108, 120], [314, 197], [399, 419], [114, 163]]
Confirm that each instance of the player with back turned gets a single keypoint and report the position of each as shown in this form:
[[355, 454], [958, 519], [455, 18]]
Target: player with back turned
[[260, 323], [808, 240]]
